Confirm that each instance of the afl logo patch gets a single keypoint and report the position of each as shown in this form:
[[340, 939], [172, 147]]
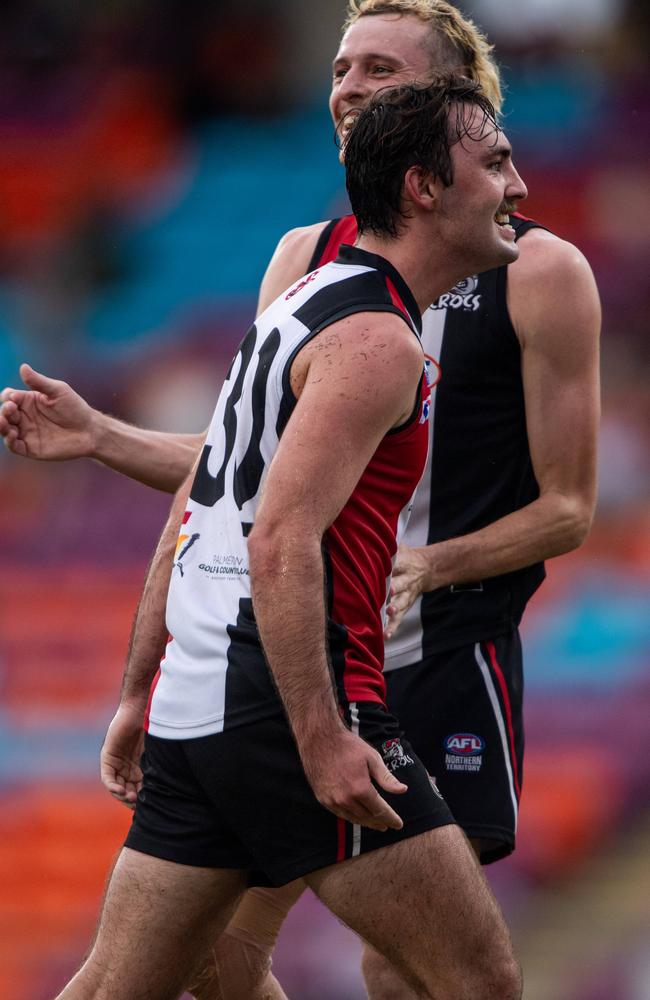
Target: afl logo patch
[[464, 744]]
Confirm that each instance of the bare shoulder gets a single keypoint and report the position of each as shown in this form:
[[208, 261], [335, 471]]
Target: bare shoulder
[[550, 286], [301, 240], [289, 262], [373, 359], [377, 348]]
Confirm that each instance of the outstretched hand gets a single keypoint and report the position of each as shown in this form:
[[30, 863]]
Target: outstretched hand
[[47, 420], [341, 775], [410, 578], [120, 757]]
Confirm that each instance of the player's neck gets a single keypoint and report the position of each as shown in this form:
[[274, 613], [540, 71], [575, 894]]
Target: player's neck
[[425, 268]]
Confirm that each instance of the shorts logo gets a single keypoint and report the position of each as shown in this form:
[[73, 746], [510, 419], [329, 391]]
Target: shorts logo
[[463, 752], [464, 744], [394, 755]]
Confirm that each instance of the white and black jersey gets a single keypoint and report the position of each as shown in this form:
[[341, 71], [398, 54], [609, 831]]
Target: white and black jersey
[[214, 676], [479, 467]]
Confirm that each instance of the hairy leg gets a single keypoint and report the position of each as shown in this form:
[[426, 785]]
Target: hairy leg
[[157, 922], [425, 905], [239, 963], [383, 980]]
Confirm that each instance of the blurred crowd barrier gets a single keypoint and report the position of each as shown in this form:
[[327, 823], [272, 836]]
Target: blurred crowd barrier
[[146, 173]]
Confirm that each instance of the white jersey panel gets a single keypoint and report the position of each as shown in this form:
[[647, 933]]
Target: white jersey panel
[[210, 584]]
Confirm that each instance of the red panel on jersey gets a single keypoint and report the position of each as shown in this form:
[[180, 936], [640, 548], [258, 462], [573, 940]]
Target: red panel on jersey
[[345, 231]]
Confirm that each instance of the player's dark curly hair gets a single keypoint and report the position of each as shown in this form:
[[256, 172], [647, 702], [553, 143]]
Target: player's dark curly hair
[[403, 127]]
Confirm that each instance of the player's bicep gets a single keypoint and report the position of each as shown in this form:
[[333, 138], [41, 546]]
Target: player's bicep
[[354, 393], [560, 369]]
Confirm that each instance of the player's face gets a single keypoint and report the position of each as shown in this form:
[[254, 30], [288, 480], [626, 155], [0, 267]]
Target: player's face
[[473, 211], [382, 50]]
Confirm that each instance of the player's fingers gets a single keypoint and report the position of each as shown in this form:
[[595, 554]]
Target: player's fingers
[[13, 443], [373, 811], [130, 804], [38, 382], [385, 778], [361, 816], [9, 395]]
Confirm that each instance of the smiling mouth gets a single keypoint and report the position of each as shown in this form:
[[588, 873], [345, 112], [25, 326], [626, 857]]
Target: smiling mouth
[[346, 123]]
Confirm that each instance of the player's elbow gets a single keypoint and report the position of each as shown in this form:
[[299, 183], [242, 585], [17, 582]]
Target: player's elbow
[[264, 552], [274, 547], [577, 518]]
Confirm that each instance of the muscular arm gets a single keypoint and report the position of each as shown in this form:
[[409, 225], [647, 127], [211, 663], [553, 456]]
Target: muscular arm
[[309, 482], [50, 421], [554, 306]]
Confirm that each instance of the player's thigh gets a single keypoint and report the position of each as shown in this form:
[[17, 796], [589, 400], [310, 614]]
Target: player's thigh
[[423, 903], [158, 920]]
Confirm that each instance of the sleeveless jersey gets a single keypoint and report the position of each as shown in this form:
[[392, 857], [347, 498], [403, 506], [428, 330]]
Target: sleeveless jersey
[[214, 675], [479, 467]]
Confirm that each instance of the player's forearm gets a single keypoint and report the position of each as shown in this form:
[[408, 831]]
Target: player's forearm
[[155, 458], [287, 581], [149, 633], [548, 527]]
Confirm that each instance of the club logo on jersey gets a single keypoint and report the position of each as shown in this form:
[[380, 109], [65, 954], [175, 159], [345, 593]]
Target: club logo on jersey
[[463, 752], [300, 285], [395, 755], [462, 296]]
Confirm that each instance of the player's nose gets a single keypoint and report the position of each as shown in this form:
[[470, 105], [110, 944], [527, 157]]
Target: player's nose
[[353, 90], [516, 189]]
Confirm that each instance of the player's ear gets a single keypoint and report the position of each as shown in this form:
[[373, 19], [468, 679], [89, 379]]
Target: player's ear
[[421, 188]]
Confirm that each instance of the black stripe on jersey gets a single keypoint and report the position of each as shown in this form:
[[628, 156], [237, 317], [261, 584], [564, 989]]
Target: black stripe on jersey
[[355, 255], [319, 249], [249, 681], [207, 489], [248, 475], [346, 295], [337, 635]]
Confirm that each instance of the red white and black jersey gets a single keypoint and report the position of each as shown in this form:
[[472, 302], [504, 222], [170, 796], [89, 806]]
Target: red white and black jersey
[[214, 675], [479, 467]]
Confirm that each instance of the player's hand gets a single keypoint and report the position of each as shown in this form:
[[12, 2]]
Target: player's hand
[[47, 420], [120, 756], [341, 772], [410, 579]]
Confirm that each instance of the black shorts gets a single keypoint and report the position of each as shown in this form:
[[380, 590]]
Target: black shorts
[[240, 799], [462, 712]]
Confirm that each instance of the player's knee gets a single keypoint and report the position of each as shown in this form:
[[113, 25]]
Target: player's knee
[[505, 980], [498, 975], [381, 978]]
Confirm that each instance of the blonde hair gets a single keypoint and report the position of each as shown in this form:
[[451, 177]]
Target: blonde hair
[[462, 47]]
